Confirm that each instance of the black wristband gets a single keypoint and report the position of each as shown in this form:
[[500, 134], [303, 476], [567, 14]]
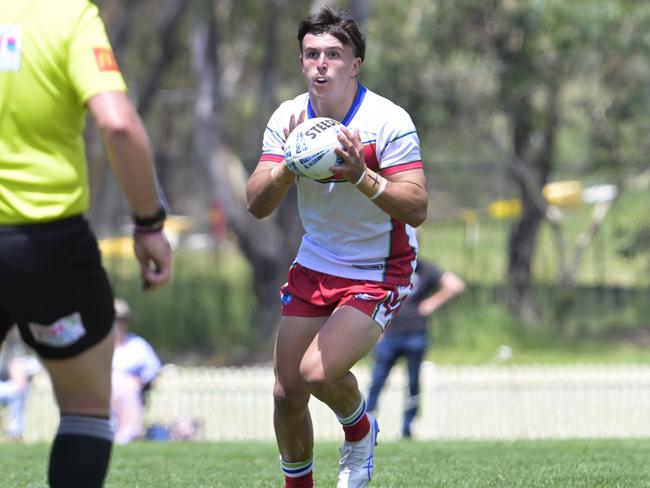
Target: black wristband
[[153, 220]]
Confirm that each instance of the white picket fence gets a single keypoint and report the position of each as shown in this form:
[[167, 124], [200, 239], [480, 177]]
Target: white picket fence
[[486, 402]]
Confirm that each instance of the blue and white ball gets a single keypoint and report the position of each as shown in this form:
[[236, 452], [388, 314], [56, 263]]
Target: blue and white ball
[[309, 150]]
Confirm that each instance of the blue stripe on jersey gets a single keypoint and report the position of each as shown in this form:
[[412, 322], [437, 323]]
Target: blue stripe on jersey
[[398, 137], [356, 104], [310, 110], [279, 138]]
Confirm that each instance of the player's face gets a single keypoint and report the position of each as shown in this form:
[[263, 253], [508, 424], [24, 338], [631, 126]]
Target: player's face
[[329, 65]]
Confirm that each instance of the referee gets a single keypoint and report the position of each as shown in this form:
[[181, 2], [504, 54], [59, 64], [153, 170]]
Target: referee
[[56, 63]]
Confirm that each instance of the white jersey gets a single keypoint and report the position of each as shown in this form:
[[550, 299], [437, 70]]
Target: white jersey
[[136, 357], [346, 234]]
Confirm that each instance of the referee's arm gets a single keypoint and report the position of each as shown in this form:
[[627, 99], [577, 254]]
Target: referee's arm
[[129, 150], [131, 158]]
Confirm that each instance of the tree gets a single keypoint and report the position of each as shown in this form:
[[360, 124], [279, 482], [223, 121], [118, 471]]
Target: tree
[[271, 254], [479, 63]]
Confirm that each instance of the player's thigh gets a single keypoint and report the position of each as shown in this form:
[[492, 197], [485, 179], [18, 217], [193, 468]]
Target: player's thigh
[[293, 338], [82, 383], [346, 337]]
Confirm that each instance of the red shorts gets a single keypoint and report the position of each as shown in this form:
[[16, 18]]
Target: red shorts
[[311, 293]]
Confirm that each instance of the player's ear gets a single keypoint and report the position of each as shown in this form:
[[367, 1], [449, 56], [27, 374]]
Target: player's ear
[[356, 67]]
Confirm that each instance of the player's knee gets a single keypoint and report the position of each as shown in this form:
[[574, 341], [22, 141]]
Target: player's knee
[[316, 379], [287, 398]]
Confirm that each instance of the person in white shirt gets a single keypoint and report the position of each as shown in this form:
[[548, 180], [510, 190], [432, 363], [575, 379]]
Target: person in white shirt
[[17, 367], [135, 367], [359, 250]]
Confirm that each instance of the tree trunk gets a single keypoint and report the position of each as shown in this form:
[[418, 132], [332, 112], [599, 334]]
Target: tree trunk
[[531, 177], [521, 250], [168, 40], [268, 244]]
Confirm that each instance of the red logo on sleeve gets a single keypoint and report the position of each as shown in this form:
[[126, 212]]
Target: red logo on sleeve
[[105, 59]]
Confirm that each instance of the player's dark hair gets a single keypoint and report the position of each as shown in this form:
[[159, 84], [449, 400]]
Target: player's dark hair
[[339, 23]]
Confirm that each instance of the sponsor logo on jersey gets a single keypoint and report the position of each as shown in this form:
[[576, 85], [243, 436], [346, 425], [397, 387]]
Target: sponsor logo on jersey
[[10, 47], [62, 333], [286, 298], [105, 59]]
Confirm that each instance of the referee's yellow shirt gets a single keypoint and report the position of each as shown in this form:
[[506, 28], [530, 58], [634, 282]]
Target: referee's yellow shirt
[[54, 56]]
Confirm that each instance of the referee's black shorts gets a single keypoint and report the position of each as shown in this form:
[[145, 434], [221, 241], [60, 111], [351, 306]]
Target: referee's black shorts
[[52, 284]]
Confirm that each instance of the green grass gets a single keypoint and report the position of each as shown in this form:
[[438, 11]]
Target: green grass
[[524, 464]]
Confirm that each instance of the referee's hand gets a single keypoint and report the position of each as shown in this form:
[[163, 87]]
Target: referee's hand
[[154, 255]]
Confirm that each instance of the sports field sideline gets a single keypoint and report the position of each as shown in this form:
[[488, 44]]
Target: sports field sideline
[[481, 403]]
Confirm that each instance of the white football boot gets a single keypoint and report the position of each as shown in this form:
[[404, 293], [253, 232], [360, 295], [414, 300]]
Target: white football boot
[[357, 459]]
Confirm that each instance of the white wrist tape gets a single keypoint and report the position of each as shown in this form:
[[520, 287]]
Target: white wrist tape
[[382, 187], [363, 175]]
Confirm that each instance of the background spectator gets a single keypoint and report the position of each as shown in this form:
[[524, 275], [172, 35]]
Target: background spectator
[[17, 367], [407, 334], [135, 366]]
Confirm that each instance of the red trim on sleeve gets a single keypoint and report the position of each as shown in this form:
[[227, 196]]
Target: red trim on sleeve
[[273, 158], [398, 168]]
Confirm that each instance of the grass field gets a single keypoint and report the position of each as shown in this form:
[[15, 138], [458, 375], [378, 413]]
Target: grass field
[[524, 464]]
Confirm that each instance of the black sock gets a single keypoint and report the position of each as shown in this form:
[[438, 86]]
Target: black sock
[[80, 452]]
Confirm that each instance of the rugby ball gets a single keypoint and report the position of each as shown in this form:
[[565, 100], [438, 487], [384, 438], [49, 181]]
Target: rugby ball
[[309, 150]]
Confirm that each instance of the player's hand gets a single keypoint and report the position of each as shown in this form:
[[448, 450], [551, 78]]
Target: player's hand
[[352, 163], [293, 123], [154, 254]]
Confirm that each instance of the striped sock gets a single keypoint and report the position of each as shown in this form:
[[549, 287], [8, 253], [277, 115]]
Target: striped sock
[[298, 474], [357, 425], [80, 452]]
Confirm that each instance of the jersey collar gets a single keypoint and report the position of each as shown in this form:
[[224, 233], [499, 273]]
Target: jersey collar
[[361, 93]]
